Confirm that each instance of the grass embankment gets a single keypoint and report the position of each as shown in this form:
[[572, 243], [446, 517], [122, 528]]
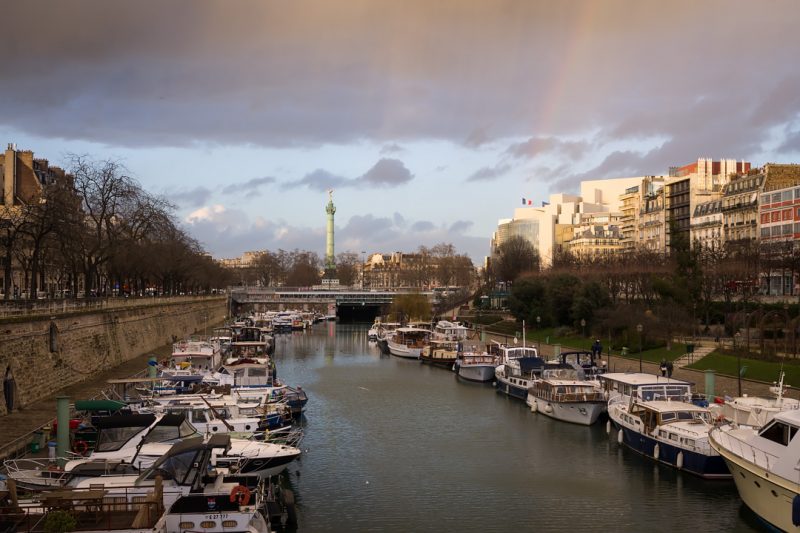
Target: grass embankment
[[769, 371], [510, 328]]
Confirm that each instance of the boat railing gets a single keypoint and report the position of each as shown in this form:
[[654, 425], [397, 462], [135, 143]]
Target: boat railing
[[94, 509], [570, 397], [744, 450]]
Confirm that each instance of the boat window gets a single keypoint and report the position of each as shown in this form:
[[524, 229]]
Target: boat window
[[673, 436], [199, 415], [112, 439], [777, 432], [685, 415], [167, 433], [257, 372], [667, 417], [175, 467]]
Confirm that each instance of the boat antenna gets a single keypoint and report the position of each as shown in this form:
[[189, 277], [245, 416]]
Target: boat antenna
[[523, 333]]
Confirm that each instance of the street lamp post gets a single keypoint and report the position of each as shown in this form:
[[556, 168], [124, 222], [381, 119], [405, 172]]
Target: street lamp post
[[583, 326], [737, 340], [639, 328], [538, 333]]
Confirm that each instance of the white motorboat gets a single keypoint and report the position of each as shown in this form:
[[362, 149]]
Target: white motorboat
[[756, 411], [764, 464], [132, 443], [408, 342], [563, 394], [476, 366], [449, 331], [654, 416]]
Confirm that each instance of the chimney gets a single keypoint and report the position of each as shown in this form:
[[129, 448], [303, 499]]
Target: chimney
[[10, 177]]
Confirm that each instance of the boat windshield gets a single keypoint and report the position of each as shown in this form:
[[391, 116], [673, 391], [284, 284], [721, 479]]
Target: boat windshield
[[175, 467], [684, 416], [664, 392], [112, 439], [166, 433]]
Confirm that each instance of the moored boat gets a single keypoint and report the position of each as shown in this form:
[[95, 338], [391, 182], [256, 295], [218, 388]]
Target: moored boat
[[476, 366], [408, 342], [662, 419], [562, 394], [764, 466]]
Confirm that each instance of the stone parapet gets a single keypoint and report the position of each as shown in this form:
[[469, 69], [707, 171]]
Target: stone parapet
[[42, 355]]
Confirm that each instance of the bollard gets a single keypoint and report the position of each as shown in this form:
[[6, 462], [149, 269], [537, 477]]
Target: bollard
[[51, 451], [710, 374], [152, 367], [556, 351], [62, 435]]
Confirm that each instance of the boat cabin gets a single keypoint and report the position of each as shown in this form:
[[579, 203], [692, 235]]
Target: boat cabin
[[411, 337], [646, 387]]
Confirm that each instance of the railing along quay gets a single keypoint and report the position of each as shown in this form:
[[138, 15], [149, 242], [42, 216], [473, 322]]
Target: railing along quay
[[15, 308]]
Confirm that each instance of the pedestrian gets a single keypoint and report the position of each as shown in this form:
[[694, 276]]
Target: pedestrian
[[669, 369], [663, 367], [597, 348]]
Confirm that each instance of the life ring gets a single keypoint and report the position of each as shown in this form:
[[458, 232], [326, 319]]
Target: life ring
[[240, 494], [80, 447]]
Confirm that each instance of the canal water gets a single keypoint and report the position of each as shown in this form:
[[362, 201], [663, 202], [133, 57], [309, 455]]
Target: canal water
[[395, 445]]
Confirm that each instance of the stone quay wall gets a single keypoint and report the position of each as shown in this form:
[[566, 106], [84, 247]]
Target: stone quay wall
[[41, 355]]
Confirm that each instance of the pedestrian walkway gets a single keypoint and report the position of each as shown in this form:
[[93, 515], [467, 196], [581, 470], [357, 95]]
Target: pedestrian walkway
[[701, 349], [19, 425]]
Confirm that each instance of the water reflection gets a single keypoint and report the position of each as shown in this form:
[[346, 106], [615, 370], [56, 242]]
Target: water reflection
[[396, 445]]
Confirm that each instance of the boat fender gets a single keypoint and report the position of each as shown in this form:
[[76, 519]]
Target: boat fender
[[619, 437], [796, 511], [679, 460], [608, 427], [548, 408], [656, 451], [80, 447], [240, 494], [534, 407]]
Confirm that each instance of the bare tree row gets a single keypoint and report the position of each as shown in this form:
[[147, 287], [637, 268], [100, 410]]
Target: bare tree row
[[98, 231]]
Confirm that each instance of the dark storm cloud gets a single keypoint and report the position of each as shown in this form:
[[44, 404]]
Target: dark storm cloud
[[386, 173], [490, 173], [791, 143], [267, 73], [320, 179], [536, 146], [250, 187], [191, 197], [422, 226], [392, 148], [460, 226], [383, 174]]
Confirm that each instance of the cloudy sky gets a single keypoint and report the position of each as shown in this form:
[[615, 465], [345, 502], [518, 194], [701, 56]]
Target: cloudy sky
[[429, 119]]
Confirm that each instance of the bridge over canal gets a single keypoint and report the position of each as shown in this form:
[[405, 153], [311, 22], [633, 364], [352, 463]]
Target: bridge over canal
[[344, 302]]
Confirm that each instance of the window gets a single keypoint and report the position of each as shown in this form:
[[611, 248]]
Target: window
[[786, 214], [765, 232], [779, 432], [787, 229], [776, 198], [786, 196]]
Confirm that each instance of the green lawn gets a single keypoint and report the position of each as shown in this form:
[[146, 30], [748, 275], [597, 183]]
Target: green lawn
[[510, 328], [754, 368]]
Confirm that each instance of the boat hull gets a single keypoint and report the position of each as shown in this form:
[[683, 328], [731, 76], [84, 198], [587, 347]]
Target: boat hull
[[705, 466], [771, 499], [583, 413], [514, 387], [480, 373], [401, 350]]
